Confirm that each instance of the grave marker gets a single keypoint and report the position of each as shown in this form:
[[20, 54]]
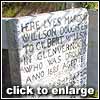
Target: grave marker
[[52, 48]]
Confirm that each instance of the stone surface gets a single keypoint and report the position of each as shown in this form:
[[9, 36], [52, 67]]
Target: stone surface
[[92, 50]]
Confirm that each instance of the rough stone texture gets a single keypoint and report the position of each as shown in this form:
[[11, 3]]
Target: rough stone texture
[[92, 53]]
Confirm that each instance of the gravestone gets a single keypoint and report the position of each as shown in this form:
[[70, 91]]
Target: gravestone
[[49, 49]]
